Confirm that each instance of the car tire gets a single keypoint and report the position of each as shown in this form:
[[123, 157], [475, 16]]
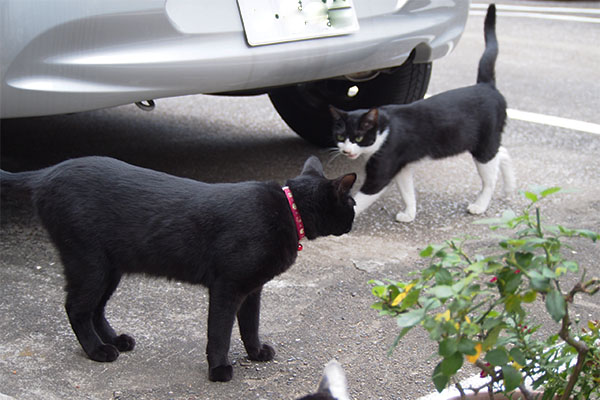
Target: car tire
[[304, 107]]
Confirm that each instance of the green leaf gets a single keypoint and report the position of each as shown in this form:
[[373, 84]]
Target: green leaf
[[549, 191], [497, 357], [439, 379], [571, 266], [379, 291], [450, 365], [411, 299], [461, 284], [467, 346], [518, 356], [548, 273], [472, 290], [588, 234], [443, 277], [523, 259], [426, 252], [442, 291], [512, 282], [451, 259], [512, 378], [538, 281], [529, 297], [447, 347], [431, 303], [476, 267], [531, 196], [513, 304], [555, 304], [507, 217], [516, 242], [410, 318]]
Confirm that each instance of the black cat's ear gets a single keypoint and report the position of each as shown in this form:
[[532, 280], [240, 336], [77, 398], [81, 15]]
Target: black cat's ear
[[344, 183], [335, 113], [369, 120], [312, 166]]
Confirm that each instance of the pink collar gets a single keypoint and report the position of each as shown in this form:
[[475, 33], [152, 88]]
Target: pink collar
[[296, 214]]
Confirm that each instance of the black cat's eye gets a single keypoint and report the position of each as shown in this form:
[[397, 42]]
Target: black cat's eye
[[359, 139], [341, 138]]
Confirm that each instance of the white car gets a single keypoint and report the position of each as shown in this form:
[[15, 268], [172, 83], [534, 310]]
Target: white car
[[64, 56]]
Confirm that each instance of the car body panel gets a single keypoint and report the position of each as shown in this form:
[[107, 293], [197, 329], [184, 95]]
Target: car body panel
[[66, 56]]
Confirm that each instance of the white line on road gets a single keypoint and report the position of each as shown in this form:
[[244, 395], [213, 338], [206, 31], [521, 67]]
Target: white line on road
[[554, 121], [566, 10], [571, 18], [552, 13]]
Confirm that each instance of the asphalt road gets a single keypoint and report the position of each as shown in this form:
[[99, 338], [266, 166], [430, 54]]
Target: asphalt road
[[319, 309]]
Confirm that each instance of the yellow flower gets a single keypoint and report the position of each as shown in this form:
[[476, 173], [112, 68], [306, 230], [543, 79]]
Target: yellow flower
[[472, 359], [445, 316], [467, 319], [517, 366], [402, 295]]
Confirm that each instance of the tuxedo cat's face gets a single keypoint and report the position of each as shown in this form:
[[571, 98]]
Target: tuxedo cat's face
[[356, 132]]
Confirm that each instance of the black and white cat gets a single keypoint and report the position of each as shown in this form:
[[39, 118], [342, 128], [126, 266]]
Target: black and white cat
[[108, 218], [333, 385], [396, 136]]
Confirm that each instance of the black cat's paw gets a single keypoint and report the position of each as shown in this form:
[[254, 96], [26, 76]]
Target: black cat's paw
[[104, 353], [266, 353], [222, 373], [124, 342]]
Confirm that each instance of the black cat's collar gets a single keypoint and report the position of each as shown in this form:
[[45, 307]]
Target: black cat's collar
[[296, 214]]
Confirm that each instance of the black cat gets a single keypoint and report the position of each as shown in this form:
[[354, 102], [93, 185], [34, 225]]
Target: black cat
[[108, 218], [396, 136]]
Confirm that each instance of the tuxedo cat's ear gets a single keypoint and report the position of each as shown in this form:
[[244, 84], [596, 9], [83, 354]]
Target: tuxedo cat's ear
[[312, 166], [335, 113], [344, 184], [369, 120]]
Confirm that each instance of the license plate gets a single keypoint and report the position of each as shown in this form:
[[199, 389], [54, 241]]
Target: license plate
[[277, 21]]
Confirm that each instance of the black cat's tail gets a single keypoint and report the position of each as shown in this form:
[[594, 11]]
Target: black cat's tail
[[16, 182], [486, 74]]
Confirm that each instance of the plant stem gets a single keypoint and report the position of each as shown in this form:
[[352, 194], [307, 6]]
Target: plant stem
[[525, 392], [539, 224], [581, 349]]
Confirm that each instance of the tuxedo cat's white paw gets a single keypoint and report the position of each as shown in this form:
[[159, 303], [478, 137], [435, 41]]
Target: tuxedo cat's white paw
[[404, 217], [476, 209]]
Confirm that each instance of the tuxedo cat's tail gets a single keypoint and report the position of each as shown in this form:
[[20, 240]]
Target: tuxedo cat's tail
[[486, 74]]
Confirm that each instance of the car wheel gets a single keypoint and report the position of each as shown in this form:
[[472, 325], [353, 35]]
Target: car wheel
[[304, 107]]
